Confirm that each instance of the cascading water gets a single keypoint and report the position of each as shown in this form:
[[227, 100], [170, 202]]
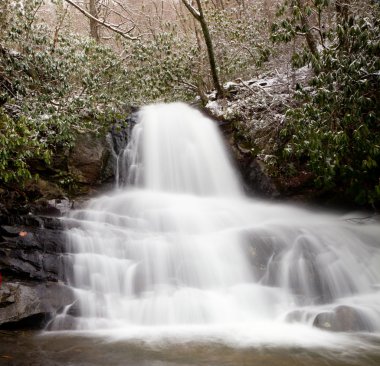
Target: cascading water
[[181, 248]]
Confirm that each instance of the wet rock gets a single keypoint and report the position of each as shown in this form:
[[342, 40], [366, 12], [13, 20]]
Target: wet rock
[[120, 132], [39, 255], [66, 322], [298, 316], [53, 207], [88, 158], [257, 179], [21, 300], [43, 188], [260, 250], [342, 319], [31, 267], [307, 281]]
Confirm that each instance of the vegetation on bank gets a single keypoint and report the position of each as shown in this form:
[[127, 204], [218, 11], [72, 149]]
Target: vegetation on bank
[[335, 131], [55, 83], [52, 87]]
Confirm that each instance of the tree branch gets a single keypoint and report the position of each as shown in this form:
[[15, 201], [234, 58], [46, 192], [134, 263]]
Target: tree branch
[[111, 27], [195, 13]]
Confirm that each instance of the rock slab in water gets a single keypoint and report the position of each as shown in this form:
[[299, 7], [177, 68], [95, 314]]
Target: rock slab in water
[[21, 300], [342, 319]]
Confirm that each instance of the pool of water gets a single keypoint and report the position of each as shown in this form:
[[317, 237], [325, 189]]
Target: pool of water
[[25, 348]]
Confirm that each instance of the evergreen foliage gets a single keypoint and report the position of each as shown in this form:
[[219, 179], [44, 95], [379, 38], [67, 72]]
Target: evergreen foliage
[[245, 31], [172, 63], [162, 68], [52, 86], [336, 129]]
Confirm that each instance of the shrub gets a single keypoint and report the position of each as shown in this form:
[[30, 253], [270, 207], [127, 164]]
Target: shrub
[[336, 129], [51, 88]]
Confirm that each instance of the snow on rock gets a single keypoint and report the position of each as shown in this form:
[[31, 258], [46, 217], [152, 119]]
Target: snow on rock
[[215, 108]]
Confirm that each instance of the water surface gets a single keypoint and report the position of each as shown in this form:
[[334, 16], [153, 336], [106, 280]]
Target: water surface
[[36, 349]]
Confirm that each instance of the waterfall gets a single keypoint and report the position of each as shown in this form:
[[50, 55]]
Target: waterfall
[[180, 245]]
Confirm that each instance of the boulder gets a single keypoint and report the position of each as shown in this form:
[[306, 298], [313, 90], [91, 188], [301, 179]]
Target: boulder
[[21, 300], [342, 319]]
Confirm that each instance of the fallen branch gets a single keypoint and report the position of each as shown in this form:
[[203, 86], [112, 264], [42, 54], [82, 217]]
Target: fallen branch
[[257, 86]]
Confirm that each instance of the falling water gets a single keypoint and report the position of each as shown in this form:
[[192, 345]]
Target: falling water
[[181, 250]]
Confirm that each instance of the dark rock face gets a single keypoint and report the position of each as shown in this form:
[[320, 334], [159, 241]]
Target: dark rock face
[[91, 163], [121, 131], [88, 159], [31, 267], [257, 179], [92, 159], [24, 259]]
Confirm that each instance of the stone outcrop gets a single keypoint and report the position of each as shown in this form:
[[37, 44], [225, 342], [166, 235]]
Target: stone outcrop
[[257, 179], [31, 267], [89, 158], [84, 169]]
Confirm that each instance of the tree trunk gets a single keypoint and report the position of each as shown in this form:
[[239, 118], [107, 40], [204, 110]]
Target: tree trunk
[[199, 16], [94, 31], [310, 40], [210, 52]]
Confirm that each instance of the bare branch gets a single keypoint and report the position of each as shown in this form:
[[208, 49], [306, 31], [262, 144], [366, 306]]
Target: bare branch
[[195, 13], [59, 26], [111, 27]]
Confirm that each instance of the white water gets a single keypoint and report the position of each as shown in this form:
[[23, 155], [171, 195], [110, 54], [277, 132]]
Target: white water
[[181, 251]]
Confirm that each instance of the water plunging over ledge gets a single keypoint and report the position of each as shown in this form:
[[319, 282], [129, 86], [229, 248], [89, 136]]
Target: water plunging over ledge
[[178, 252]]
